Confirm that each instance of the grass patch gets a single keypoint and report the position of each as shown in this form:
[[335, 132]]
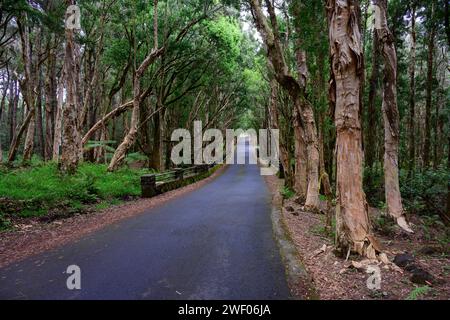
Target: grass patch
[[31, 191]]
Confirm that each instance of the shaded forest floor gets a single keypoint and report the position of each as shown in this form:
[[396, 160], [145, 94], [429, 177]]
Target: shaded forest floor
[[335, 278]]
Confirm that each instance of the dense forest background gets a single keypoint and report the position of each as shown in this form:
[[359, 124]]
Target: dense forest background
[[112, 92]]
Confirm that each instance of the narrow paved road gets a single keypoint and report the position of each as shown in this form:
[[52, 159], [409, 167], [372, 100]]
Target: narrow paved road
[[213, 243]]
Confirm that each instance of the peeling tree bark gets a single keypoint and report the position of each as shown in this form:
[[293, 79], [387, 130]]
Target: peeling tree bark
[[390, 116], [352, 220]]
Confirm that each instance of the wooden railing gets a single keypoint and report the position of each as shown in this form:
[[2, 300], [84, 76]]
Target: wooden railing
[[154, 184]]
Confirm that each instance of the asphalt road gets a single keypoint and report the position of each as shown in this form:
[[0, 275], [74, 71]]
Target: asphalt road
[[213, 243]]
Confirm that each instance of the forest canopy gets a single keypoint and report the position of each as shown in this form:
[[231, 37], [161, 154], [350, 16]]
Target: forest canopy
[[358, 89]]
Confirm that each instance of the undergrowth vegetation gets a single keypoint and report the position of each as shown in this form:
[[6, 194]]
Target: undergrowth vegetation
[[34, 190], [423, 192]]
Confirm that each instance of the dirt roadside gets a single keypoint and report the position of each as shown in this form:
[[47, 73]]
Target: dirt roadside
[[334, 278]]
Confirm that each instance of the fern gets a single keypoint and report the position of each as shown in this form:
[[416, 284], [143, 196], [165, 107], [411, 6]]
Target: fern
[[418, 292], [100, 144]]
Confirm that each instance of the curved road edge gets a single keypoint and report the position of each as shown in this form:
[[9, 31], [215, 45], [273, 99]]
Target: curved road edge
[[296, 274]]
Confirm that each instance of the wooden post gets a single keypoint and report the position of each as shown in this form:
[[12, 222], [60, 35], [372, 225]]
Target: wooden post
[[179, 174], [148, 186]]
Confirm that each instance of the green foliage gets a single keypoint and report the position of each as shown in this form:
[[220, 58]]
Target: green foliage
[[41, 187], [287, 192], [4, 222], [374, 185], [425, 192], [418, 292], [226, 36]]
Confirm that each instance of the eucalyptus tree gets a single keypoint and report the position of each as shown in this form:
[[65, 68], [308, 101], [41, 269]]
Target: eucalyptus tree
[[271, 36], [352, 219], [390, 116]]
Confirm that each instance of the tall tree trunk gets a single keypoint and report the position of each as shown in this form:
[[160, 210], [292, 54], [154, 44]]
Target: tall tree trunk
[[352, 220], [441, 120], [158, 137], [274, 123], [57, 137], [27, 89], [2, 111], [128, 141], [370, 145], [412, 95], [301, 159], [50, 103], [429, 90], [28, 86], [70, 154], [17, 136], [390, 116], [289, 83], [39, 124], [302, 165], [446, 216], [12, 111]]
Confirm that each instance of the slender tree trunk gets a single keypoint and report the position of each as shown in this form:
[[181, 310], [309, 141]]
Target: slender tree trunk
[[446, 216], [29, 139], [157, 161], [352, 220], [302, 165], [57, 137], [130, 138], [70, 155], [39, 122], [50, 104], [370, 146], [275, 124], [412, 95], [28, 86], [390, 116], [293, 88], [17, 136], [440, 120], [429, 92], [2, 111], [12, 112], [301, 159]]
